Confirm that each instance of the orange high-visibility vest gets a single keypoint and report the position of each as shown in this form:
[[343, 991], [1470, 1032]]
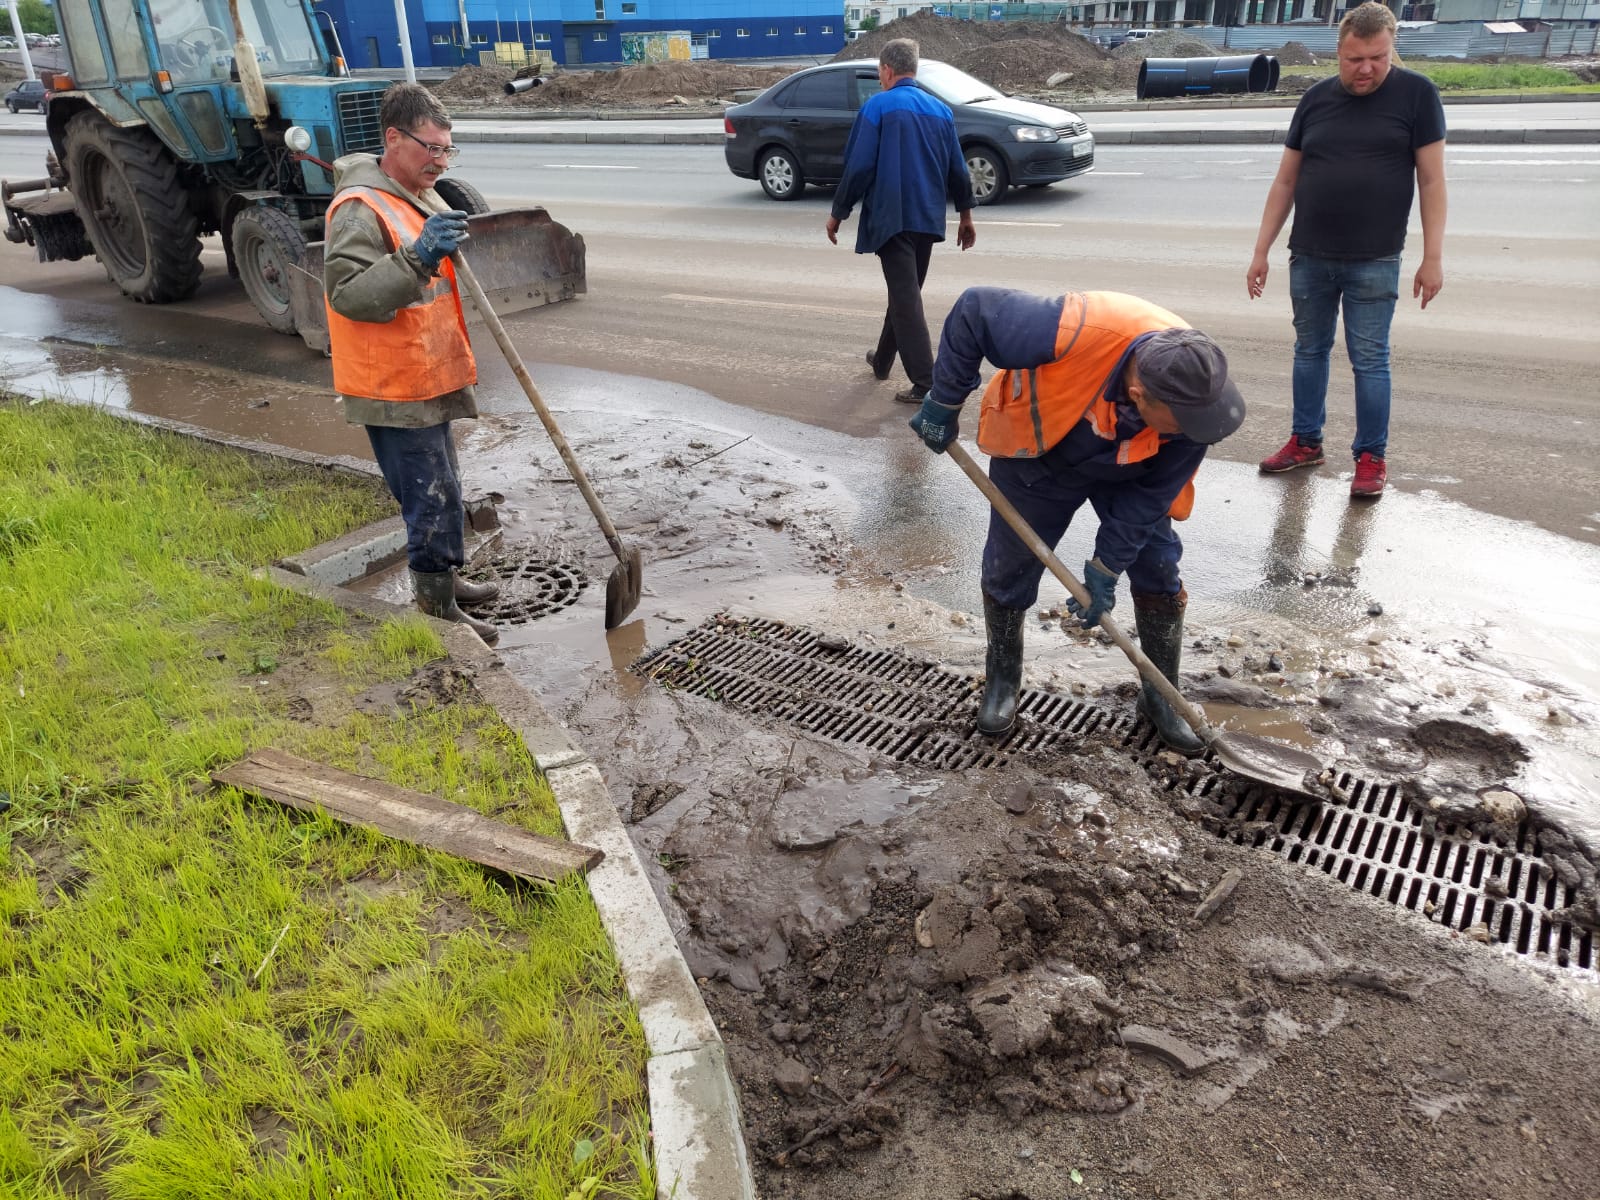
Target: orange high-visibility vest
[[1026, 412], [424, 351]]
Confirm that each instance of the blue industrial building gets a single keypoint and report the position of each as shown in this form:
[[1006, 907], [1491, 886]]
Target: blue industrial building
[[582, 31]]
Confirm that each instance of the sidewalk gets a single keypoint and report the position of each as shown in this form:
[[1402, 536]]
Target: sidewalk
[[1482, 120]]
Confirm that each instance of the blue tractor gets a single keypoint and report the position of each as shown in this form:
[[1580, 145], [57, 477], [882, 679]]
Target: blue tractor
[[186, 118]]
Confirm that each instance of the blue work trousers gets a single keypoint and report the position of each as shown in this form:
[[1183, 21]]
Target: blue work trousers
[[1367, 290], [419, 465], [1047, 500]]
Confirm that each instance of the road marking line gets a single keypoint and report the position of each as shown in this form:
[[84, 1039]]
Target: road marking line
[[584, 167], [1025, 224], [830, 309], [1123, 174]]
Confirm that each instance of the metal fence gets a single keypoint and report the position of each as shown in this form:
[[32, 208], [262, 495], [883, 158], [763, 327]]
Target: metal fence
[[1464, 40]]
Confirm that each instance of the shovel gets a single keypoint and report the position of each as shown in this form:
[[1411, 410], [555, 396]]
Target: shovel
[[627, 577], [1255, 758]]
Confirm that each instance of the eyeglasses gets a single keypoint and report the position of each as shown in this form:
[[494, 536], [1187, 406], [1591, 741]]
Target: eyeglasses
[[448, 153]]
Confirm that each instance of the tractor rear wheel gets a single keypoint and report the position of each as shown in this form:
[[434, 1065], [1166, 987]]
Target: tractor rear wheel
[[267, 247], [134, 208]]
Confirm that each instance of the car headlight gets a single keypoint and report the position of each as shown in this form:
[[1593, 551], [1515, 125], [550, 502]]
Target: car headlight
[[1034, 133]]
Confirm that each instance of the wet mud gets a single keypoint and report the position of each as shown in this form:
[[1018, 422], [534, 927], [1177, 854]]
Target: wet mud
[[1000, 983]]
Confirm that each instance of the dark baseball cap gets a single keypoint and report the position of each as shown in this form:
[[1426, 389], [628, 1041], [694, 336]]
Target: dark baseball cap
[[1188, 372]]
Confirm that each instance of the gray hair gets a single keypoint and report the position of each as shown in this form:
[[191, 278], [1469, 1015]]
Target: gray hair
[[900, 56], [406, 106], [1366, 20]]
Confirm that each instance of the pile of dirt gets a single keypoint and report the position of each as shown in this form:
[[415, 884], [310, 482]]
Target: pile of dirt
[[1009, 55], [1295, 54], [1171, 43], [648, 86]]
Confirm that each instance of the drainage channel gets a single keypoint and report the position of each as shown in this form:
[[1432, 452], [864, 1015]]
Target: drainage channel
[[530, 588], [1368, 836]]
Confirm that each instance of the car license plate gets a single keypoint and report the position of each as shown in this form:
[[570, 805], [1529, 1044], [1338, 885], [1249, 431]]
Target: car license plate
[[1081, 149]]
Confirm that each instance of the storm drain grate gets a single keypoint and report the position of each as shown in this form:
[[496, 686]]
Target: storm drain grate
[[1367, 836], [1375, 840], [530, 588]]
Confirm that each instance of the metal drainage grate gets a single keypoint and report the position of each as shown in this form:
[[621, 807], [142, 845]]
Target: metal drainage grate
[[529, 588], [1367, 836]]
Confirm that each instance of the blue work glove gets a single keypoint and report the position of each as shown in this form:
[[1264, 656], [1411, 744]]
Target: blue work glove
[[937, 423], [441, 234], [1101, 585]]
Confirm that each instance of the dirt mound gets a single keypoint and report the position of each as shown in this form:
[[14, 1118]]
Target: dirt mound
[[1018, 50], [1295, 54], [1172, 43], [646, 86]]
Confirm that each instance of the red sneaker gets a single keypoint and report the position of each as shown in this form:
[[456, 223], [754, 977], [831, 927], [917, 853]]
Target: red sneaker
[[1295, 453], [1370, 475]]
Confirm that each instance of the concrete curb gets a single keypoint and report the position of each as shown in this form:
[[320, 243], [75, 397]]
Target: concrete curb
[[698, 1138]]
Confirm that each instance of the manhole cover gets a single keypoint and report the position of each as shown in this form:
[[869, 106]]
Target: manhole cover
[[530, 588], [1368, 837]]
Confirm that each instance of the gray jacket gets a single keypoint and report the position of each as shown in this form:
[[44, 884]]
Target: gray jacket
[[367, 281]]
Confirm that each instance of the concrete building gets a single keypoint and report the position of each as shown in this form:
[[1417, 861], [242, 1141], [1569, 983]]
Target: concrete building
[[448, 33]]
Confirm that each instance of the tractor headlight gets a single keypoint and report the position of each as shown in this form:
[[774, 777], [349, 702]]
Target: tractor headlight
[[297, 139], [1034, 133]]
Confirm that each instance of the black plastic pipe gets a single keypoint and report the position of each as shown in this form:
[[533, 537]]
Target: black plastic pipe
[[1161, 77]]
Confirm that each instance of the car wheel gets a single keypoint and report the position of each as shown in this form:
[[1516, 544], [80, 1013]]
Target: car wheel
[[781, 177], [988, 171], [13, 109]]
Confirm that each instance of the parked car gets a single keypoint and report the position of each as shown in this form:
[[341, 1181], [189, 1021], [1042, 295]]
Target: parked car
[[8, 43], [30, 93], [794, 132]]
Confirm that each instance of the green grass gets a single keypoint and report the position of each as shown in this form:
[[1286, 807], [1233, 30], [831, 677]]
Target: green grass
[[204, 995], [1480, 78]]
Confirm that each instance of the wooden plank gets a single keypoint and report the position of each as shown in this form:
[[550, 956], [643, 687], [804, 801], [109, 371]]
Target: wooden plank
[[414, 817]]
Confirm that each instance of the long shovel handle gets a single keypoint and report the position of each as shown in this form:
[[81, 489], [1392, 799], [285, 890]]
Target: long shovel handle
[[1034, 542], [475, 290], [514, 361]]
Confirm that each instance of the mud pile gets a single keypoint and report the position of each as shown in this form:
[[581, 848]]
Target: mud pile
[[1295, 54], [1009, 55], [1171, 43], [648, 86]]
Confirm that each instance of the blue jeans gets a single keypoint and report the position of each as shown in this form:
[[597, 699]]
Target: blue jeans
[[1368, 289], [1011, 571], [419, 465]]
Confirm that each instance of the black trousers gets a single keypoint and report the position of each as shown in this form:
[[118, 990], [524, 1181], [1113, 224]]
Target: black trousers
[[423, 474], [904, 259]]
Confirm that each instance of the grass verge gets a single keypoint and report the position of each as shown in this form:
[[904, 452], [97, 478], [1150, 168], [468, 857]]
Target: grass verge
[[1486, 79], [203, 995]]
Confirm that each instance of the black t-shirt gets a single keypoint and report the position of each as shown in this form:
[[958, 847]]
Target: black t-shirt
[[1358, 164]]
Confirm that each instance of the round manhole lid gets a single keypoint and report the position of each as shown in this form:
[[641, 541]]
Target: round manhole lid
[[530, 588]]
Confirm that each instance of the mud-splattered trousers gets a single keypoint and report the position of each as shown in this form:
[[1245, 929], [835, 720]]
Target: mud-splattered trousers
[[420, 467]]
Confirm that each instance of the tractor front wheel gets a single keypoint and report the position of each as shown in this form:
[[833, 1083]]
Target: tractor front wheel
[[267, 247], [134, 208]]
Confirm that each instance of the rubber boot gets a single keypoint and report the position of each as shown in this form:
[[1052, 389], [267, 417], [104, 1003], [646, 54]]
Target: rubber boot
[[474, 593], [1160, 623], [1003, 669], [435, 593]]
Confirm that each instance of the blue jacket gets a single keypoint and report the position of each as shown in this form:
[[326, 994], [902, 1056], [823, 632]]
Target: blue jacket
[[904, 159], [1015, 331]]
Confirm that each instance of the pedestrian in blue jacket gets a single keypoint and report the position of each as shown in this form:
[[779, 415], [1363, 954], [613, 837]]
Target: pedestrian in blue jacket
[[902, 163]]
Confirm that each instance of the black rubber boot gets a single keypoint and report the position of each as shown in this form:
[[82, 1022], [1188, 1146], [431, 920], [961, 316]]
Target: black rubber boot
[[474, 593], [435, 593], [1160, 623], [1003, 669]]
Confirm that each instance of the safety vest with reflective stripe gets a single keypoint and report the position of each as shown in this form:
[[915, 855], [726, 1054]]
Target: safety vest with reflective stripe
[[1026, 412], [423, 352]]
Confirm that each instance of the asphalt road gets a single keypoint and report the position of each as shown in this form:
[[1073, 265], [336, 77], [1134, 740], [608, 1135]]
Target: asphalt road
[[695, 278]]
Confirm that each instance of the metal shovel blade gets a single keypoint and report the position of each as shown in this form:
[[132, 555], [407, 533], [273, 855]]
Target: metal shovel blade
[[623, 587], [1272, 763]]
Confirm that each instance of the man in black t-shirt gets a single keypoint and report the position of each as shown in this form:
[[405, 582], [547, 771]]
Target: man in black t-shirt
[[1353, 148]]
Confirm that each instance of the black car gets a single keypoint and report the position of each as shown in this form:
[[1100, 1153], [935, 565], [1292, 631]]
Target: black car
[[794, 132], [29, 93]]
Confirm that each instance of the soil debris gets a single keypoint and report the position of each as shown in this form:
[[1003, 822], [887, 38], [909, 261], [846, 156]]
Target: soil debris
[[650, 85]]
